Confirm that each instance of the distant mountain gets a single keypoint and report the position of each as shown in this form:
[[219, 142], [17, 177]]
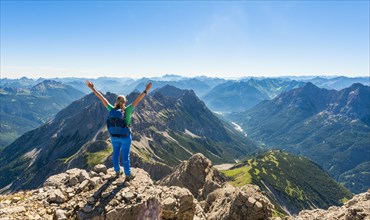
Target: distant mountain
[[211, 81], [199, 87], [291, 182], [330, 127], [105, 84], [166, 130], [336, 83], [23, 82], [24, 109], [274, 86], [234, 96], [169, 77]]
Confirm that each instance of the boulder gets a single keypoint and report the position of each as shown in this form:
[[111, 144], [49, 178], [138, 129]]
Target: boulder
[[234, 203], [100, 168], [198, 175]]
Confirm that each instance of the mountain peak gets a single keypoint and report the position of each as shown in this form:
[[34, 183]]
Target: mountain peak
[[310, 86], [47, 84], [198, 175], [357, 85], [174, 92]]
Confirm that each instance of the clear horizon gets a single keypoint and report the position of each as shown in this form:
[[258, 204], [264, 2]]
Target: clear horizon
[[214, 39], [222, 77]]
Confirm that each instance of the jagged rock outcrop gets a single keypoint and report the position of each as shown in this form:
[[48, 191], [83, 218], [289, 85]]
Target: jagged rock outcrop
[[219, 199], [357, 208], [233, 203], [98, 194], [198, 175]]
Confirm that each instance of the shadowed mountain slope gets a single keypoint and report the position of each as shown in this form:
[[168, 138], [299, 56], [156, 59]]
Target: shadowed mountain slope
[[330, 127]]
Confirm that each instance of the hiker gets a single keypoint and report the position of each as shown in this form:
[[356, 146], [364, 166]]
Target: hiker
[[118, 124]]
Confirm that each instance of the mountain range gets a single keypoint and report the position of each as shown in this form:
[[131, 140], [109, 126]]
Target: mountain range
[[338, 83], [328, 126], [23, 109], [168, 127], [236, 96]]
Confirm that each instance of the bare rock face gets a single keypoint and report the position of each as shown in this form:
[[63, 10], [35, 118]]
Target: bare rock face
[[358, 208], [218, 200], [77, 194], [198, 175], [230, 202]]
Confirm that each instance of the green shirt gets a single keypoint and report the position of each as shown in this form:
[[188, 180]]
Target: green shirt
[[128, 112]]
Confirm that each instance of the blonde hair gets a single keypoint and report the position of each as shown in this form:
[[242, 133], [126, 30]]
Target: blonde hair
[[120, 102]]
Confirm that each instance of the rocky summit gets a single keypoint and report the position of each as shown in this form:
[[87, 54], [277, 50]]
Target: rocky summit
[[197, 174], [100, 194]]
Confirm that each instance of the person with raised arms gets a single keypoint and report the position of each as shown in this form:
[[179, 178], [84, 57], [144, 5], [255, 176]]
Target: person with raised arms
[[118, 124]]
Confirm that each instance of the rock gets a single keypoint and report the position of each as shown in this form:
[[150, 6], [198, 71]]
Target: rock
[[251, 201], [12, 210], [60, 215], [81, 175], [80, 215], [230, 202], [356, 208], [70, 195], [178, 203], [87, 208], [57, 180], [105, 194], [198, 175], [73, 181], [151, 209], [128, 196], [83, 185], [114, 202], [169, 204], [52, 197], [15, 199], [100, 168], [57, 196], [108, 177], [95, 181], [70, 190], [91, 200]]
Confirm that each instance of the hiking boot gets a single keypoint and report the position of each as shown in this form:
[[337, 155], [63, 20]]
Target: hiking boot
[[130, 177], [118, 174]]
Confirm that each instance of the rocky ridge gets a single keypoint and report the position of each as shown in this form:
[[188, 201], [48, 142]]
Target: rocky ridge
[[99, 194], [219, 199], [358, 208]]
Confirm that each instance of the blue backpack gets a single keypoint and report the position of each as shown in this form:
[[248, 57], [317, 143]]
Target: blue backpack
[[116, 123]]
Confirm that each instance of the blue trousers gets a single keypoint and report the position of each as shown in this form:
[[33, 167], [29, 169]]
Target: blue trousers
[[121, 144]]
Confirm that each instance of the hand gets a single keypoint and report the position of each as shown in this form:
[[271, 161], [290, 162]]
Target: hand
[[148, 86], [89, 84]]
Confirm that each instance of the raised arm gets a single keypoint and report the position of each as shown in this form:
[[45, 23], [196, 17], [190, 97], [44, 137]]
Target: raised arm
[[141, 96], [97, 93]]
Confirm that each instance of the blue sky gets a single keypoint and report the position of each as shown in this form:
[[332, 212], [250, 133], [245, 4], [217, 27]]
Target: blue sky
[[149, 38]]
